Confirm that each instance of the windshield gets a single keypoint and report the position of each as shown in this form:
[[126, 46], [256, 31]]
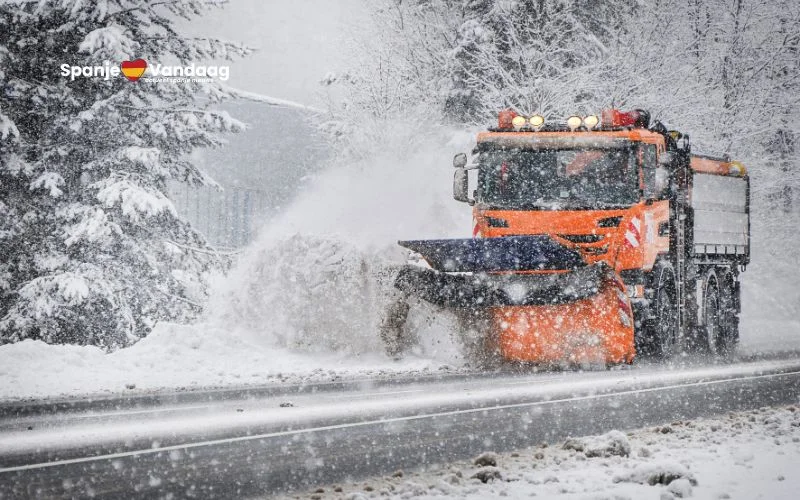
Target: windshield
[[520, 179]]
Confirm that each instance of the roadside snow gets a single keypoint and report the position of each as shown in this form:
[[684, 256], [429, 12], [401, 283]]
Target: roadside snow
[[178, 357], [745, 455], [607, 445]]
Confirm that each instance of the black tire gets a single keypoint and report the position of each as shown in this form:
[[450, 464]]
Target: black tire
[[729, 317], [662, 332], [711, 331]]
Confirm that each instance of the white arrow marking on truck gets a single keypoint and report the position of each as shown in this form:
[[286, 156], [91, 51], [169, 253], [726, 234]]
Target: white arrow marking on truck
[[633, 232]]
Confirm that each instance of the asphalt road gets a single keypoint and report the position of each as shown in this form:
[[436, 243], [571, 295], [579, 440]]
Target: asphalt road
[[239, 443]]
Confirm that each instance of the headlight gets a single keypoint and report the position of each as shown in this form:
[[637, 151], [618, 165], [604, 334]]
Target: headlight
[[574, 122], [518, 122]]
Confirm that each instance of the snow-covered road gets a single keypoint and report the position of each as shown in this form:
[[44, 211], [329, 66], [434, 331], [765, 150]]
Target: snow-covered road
[[294, 437]]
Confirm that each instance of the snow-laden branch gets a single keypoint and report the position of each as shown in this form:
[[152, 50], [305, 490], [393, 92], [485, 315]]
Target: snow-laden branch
[[272, 101], [211, 251]]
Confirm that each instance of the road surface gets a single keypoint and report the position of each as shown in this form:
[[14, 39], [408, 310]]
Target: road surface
[[237, 443]]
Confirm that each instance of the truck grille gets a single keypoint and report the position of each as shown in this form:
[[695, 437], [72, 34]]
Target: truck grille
[[582, 238]]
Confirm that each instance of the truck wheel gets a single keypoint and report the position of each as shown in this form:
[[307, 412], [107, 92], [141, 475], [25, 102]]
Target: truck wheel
[[728, 317], [664, 328], [711, 314]]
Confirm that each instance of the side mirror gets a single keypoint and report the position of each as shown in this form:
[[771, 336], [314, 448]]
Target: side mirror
[[664, 168], [460, 160], [661, 180], [461, 186]]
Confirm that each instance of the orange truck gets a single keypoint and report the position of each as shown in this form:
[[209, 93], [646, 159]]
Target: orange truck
[[593, 240]]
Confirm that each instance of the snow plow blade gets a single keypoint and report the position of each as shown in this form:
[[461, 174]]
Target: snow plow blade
[[495, 290], [537, 301], [510, 253]]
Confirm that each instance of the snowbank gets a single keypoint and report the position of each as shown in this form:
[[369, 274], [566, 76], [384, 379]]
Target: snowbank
[[654, 473], [609, 444], [743, 455], [183, 357]]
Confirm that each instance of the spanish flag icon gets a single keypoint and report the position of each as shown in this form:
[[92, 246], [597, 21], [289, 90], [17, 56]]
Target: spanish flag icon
[[133, 70]]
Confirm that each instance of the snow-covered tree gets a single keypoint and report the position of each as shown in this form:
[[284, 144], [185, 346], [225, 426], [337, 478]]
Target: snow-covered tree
[[535, 56], [470, 58], [724, 70], [93, 249]]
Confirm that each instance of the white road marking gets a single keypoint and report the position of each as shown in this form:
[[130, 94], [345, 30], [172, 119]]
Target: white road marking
[[136, 412], [359, 395], [214, 442]]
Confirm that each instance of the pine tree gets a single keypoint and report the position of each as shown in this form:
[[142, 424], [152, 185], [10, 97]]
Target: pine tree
[[93, 250]]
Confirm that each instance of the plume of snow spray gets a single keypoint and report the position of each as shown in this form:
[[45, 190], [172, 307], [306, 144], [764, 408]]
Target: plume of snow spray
[[320, 275]]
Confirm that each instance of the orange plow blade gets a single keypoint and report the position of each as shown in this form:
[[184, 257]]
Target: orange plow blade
[[598, 329], [542, 301]]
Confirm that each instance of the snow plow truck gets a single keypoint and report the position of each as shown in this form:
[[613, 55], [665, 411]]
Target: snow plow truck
[[593, 241]]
